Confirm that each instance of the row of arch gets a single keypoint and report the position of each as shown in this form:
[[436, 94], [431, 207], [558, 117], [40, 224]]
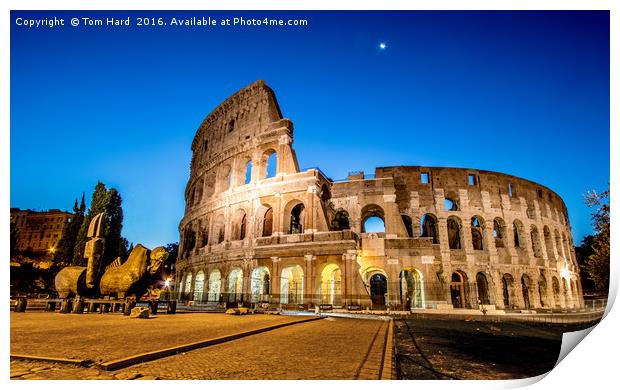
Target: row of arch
[[228, 176], [204, 233], [515, 294], [374, 221], [330, 291], [451, 204], [500, 236]]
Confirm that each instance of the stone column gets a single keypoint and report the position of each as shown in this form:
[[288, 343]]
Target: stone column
[[275, 279], [348, 277], [310, 222], [277, 216], [393, 227], [309, 278]]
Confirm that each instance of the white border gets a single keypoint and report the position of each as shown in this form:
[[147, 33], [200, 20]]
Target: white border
[[590, 365]]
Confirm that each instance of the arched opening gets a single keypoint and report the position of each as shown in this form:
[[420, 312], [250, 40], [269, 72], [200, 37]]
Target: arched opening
[[373, 225], [225, 178], [525, 288], [567, 250], [188, 283], [558, 245], [530, 211], [428, 227], [454, 233], [268, 223], [209, 185], [199, 286], [408, 224], [483, 289], [271, 164], [297, 217], [542, 290], [516, 228], [411, 289], [507, 286], [219, 228], [189, 241], [457, 290], [292, 285], [239, 228], [260, 285], [378, 290], [373, 219], [450, 205], [235, 285], [248, 173], [341, 221], [204, 233], [565, 293], [535, 237], [331, 290], [215, 286], [499, 232], [476, 234], [548, 243], [556, 291], [242, 227]]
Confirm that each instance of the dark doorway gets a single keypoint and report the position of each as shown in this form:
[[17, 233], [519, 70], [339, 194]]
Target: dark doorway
[[378, 289], [457, 290]]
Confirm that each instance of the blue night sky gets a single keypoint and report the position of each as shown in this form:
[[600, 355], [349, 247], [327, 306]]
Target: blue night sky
[[524, 93]]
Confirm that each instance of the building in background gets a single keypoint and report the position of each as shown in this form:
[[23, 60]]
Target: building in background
[[39, 231]]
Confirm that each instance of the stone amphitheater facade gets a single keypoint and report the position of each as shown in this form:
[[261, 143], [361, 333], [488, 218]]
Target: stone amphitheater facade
[[257, 229]]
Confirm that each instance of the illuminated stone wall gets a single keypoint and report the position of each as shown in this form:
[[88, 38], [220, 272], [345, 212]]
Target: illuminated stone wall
[[256, 229]]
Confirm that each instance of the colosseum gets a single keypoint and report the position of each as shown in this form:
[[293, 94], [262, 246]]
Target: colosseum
[[258, 230]]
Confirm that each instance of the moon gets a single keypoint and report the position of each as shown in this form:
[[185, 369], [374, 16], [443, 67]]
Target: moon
[[382, 45]]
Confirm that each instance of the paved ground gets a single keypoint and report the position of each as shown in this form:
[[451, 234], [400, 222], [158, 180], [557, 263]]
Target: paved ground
[[330, 348], [354, 349], [104, 337], [460, 349]]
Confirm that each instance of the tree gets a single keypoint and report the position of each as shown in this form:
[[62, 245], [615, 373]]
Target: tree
[[583, 252], [66, 245], [115, 245], [110, 203], [97, 205], [173, 254], [597, 264]]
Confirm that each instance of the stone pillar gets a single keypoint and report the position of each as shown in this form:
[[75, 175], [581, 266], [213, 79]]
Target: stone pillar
[[348, 276], [309, 278], [466, 241], [310, 224], [277, 216], [246, 284], [283, 151], [275, 279], [393, 223], [499, 290]]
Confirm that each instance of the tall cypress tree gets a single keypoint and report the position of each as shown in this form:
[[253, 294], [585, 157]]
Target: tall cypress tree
[[98, 205], [110, 203], [115, 245], [66, 245]]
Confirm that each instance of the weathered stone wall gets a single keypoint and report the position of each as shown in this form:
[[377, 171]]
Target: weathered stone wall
[[298, 237]]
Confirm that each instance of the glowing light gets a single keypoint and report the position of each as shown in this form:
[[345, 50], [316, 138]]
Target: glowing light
[[565, 273], [52, 250], [382, 46], [167, 283]]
